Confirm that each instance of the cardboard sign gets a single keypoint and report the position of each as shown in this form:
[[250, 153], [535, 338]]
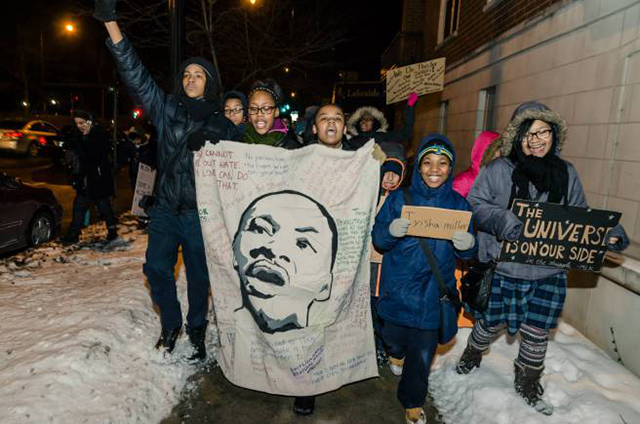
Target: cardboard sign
[[144, 187], [435, 222], [560, 236], [422, 78]]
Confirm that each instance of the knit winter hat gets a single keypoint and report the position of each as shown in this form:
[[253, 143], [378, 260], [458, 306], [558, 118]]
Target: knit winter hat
[[391, 166], [234, 94], [211, 88]]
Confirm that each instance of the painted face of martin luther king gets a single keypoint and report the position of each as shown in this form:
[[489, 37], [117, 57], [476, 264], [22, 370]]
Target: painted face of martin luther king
[[284, 252]]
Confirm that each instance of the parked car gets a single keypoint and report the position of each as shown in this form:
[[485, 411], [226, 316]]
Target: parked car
[[31, 137], [28, 215]]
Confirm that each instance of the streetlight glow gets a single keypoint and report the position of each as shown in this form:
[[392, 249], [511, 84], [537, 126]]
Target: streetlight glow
[[24, 103], [293, 94], [69, 27], [252, 1], [54, 102]]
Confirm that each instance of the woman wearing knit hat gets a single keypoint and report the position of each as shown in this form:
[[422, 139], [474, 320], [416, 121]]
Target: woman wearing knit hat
[[524, 298], [184, 120]]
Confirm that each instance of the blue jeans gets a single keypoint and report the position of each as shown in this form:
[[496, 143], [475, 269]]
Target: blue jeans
[[81, 205], [417, 347], [167, 232]]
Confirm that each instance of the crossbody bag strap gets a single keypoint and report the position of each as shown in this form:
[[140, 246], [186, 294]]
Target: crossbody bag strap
[[431, 259]]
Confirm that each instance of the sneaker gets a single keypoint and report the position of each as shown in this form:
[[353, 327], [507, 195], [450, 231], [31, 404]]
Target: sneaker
[[304, 405], [416, 416], [168, 337], [527, 385], [396, 365], [470, 359]]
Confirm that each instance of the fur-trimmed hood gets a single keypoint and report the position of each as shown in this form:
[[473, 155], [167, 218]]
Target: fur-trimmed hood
[[376, 114], [531, 110]]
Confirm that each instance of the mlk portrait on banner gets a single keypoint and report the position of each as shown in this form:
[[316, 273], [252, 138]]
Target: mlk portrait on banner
[[284, 258], [287, 236]]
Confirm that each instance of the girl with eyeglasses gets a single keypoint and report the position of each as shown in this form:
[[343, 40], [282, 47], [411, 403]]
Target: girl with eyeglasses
[[235, 108], [524, 298], [265, 128]]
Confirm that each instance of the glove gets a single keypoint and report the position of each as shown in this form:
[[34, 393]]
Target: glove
[[463, 240], [378, 154], [399, 227], [146, 202], [197, 139], [105, 10], [413, 98]]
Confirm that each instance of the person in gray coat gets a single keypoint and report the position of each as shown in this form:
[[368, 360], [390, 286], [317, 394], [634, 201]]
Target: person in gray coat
[[526, 298]]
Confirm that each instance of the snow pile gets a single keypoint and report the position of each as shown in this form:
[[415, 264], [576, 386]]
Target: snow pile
[[78, 329], [582, 383]]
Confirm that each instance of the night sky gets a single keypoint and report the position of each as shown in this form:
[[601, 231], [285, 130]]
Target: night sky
[[80, 65]]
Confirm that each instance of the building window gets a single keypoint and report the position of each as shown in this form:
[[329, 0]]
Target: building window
[[449, 19], [443, 114], [485, 118]]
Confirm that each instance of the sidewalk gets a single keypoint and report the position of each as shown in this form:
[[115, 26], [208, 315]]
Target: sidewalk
[[212, 399]]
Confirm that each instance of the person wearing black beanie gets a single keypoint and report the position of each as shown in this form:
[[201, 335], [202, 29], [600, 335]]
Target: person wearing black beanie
[[184, 120]]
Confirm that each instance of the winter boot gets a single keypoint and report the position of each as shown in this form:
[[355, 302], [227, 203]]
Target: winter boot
[[72, 237], [304, 405], [112, 233], [168, 337], [469, 360], [527, 385], [196, 337]]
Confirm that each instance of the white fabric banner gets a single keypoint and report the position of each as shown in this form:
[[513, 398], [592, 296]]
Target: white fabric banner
[[287, 236]]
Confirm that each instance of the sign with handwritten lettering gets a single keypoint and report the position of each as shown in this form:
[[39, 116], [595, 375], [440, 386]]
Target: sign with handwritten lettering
[[560, 236], [287, 236], [421, 78], [437, 223], [144, 187]]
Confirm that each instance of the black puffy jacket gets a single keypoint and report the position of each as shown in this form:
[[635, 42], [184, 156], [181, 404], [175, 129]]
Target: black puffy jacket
[[175, 180]]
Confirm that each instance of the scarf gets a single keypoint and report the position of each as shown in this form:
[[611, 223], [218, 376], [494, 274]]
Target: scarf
[[250, 136], [199, 109], [548, 174]]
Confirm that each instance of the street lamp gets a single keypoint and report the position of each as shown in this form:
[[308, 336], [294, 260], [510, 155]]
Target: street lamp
[[69, 28]]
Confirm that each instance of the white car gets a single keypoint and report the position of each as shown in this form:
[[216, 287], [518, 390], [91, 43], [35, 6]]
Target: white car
[[29, 137]]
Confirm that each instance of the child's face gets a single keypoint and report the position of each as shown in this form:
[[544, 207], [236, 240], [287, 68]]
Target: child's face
[[194, 80], [390, 180], [259, 102], [234, 111], [435, 169], [329, 125], [366, 124]]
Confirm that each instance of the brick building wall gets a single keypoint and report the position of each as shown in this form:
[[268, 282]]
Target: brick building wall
[[476, 27]]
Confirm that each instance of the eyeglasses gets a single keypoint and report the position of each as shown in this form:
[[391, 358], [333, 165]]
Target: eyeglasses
[[266, 110], [233, 111], [540, 135]]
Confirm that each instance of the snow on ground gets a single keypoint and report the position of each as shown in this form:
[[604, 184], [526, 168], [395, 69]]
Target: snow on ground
[[78, 329], [582, 383]]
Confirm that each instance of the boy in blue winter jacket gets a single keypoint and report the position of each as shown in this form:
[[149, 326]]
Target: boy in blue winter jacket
[[409, 293]]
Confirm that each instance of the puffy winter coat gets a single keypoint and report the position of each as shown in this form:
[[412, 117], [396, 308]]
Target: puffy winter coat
[[409, 294], [380, 131], [463, 182], [175, 181]]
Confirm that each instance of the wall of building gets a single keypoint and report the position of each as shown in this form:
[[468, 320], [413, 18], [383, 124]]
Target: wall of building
[[582, 59]]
